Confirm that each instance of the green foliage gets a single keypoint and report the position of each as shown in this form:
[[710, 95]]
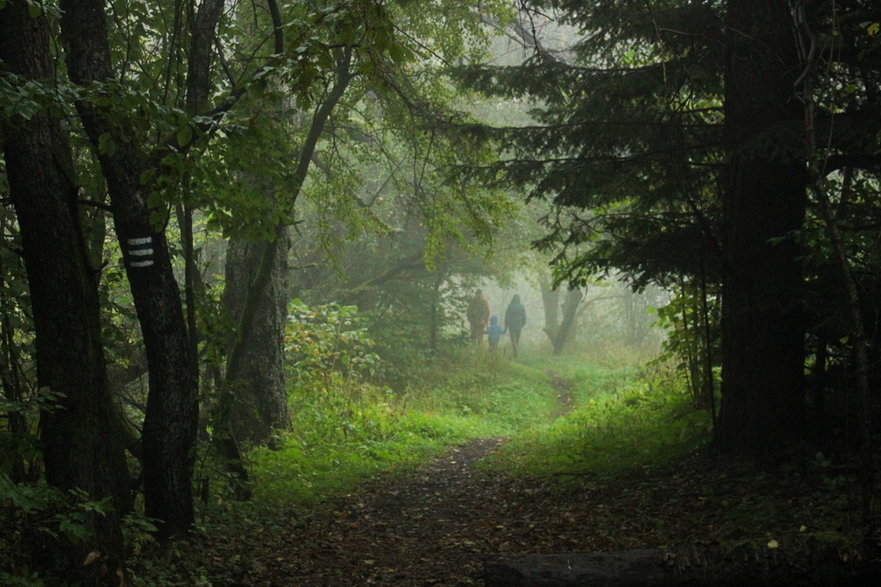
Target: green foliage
[[324, 340], [630, 420], [625, 132], [689, 328], [21, 445], [27, 498], [29, 510], [138, 531], [341, 436], [76, 523]]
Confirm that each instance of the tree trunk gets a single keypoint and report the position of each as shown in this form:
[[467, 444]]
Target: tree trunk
[[550, 299], [256, 381], [763, 205], [170, 423], [633, 332], [259, 306], [79, 445], [436, 310], [566, 333], [14, 393]]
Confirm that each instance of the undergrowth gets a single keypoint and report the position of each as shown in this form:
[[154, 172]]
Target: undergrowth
[[346, 430], [621, 419]]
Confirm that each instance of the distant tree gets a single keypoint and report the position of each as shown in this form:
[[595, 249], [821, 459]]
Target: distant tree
[[661, 162]]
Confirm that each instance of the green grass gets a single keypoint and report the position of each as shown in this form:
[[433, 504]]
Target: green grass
[[346, 432], [623, 417], [335, 444], [497, 397]]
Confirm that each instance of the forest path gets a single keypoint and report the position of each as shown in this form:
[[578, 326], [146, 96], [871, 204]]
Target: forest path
[[437, 525], [432, 526], [440, 523]]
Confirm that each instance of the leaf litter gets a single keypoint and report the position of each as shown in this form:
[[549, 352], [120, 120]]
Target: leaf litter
[[440, 524]]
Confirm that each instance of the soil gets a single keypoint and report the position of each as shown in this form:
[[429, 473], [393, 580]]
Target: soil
[[431, 527], [443, 522]]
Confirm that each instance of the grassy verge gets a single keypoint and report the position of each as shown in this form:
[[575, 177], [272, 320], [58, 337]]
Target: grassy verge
[[609, 433], [346, 432], [623, 416]]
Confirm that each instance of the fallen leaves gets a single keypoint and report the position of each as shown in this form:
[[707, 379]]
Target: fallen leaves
[[440, 524]]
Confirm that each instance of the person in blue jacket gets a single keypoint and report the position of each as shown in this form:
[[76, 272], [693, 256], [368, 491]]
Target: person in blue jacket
[[494, 332]]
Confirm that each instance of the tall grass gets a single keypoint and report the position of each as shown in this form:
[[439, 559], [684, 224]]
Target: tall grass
[[620, 420], [341, 436], [345, 430]]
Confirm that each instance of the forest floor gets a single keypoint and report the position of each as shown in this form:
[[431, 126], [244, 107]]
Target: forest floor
[[441, 523]]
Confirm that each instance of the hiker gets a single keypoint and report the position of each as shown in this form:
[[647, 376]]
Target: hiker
[[515, 320], [494, 332], [478, 314]]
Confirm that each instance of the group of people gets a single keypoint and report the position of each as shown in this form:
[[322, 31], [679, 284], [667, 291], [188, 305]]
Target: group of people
[[482, 323]]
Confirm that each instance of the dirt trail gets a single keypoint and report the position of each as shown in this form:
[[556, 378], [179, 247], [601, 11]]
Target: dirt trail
[[440, 524], [425, 528]]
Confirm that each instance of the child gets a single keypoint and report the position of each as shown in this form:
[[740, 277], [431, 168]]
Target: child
[[494, 332]]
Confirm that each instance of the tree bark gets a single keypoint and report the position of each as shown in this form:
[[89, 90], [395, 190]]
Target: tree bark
[[763, 206], [566, 333], [171, 418], [79, 444], [550, 299], [259, 306], [256, 381]]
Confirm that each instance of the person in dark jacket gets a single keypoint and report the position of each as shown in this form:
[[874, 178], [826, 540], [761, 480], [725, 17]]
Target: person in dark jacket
[[515, 320]]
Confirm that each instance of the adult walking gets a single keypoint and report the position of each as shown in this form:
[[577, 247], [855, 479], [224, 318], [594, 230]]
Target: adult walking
[[478, 316], [515, 320]]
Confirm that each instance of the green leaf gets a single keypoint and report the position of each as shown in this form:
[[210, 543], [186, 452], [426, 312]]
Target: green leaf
[[106, 143], [184, 135]]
